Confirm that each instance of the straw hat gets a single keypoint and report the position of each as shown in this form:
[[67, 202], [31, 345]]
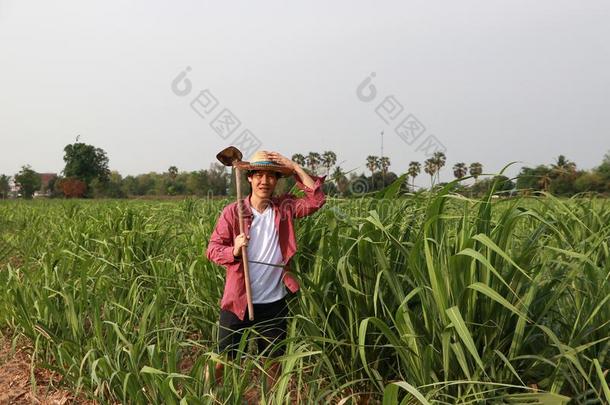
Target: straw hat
[[260, 161]]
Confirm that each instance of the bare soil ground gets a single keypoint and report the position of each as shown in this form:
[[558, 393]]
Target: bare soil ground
[[16, 379]]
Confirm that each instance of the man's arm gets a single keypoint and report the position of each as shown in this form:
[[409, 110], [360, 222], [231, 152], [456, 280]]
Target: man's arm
[[303, 176], [311, 185], [220, 246]]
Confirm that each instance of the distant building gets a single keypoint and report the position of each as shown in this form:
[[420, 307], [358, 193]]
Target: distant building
[[44, 191], [45, 179], [13, 188]]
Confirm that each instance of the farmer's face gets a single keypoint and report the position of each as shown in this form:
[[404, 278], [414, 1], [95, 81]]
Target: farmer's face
[[263, 183]]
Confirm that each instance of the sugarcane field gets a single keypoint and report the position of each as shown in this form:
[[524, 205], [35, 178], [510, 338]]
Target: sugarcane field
[[305, 203]]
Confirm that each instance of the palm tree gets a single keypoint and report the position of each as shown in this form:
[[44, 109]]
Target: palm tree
[[329, 159], [563, 166], [545, 180], [476, 169], [413, 171], [430, 167], [384, 165], [439, 160], [313, 159], [298, 159], [173, 172], [372, 163], [340, 180], [460, 170]]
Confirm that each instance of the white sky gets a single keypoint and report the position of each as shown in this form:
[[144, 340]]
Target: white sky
[[494, 81]]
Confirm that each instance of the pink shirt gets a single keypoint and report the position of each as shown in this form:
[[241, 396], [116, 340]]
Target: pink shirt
[[220, 246]]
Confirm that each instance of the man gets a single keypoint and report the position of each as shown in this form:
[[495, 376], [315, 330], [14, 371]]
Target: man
[[269, 236]]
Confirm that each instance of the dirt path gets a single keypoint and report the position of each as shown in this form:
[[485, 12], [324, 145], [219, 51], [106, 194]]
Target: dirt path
[[15, 384]]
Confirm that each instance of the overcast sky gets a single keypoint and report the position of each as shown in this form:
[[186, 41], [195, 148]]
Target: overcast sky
[[491, 81]]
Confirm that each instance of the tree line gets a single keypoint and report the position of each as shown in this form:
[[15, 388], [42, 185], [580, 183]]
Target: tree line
[[86, 175]]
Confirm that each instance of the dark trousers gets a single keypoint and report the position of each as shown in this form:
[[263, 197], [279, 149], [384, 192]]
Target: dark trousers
[[269, 326]]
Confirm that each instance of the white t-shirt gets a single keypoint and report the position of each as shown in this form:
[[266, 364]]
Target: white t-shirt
[[265, 281]]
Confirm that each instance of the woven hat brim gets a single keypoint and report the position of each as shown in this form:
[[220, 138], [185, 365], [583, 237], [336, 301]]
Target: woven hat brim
[[283, 170]]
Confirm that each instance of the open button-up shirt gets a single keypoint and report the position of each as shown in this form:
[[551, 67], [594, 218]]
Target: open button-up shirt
[[220, 246]]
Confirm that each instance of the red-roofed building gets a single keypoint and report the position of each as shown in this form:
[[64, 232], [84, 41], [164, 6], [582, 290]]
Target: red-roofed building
[[45, 179]]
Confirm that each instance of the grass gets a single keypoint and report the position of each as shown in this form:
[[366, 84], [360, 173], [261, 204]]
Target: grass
[[429, 299]]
